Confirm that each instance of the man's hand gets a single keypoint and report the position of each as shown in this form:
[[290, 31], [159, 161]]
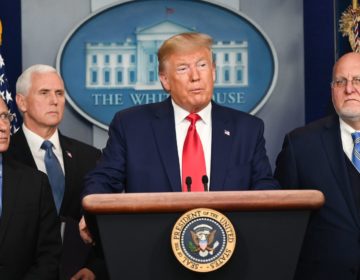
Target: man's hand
[[84, 273], [85, 233]]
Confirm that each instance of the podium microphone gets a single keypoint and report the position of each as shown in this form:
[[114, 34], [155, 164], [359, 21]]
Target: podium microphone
[[205, 181], [188, 182]]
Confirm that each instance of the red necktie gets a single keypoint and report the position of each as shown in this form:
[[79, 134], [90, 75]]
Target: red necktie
[[193, 160]]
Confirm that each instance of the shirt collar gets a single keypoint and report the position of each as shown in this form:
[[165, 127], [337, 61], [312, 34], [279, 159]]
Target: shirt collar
[[346, 139], [180, 114], [345, 128], [35, 140]]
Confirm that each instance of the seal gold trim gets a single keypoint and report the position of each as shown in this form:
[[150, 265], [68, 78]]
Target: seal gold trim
[[203, 240]]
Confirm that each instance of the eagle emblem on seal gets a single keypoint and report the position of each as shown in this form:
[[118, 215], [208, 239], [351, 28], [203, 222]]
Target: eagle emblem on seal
[[203, 237]]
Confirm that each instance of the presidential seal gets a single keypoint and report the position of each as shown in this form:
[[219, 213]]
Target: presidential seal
[[203, 240]]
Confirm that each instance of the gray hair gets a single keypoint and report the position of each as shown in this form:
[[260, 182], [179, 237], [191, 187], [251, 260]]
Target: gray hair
[[24, 81]]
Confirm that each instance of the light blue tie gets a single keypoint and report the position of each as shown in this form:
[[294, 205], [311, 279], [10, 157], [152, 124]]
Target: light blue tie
[[55, 173], [356, 151]]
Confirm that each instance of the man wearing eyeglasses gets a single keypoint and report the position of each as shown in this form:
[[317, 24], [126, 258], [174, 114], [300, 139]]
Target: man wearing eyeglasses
[[325, 155], [30, 242]]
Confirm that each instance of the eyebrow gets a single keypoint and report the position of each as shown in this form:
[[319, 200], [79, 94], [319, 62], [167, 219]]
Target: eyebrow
[[48, 89]]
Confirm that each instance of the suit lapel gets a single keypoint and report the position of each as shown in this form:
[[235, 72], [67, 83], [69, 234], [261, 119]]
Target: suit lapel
[[222, 131], [10, 193], [332, 144], [70, 170], [165, 137], [21, 150]]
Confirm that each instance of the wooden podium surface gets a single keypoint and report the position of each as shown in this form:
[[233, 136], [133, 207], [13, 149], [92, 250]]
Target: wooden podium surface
[[179, 202], [135, 232]]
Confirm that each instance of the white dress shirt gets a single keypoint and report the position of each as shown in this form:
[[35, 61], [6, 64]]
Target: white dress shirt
[[346, 139], [35, 141], [203, 127]]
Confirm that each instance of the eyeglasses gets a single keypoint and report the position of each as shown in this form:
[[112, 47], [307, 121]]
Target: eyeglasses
[[6, 117], [341, 83]]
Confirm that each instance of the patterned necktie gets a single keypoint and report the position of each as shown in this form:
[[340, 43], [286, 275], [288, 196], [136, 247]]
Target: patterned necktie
[[356, 151], [55, 173], [193, 160]]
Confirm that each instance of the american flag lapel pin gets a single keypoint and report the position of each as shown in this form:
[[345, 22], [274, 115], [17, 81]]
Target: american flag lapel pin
[[226, 132]]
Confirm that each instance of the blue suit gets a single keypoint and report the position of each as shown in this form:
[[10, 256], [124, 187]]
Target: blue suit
[[141, 153], [313, 158]]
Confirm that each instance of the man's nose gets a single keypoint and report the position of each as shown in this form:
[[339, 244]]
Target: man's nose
[[54, 98], [349, 87], [194, 72], [4, 126]]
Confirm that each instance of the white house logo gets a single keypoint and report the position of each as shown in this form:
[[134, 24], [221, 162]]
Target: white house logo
[[203, 240], [109, 61]]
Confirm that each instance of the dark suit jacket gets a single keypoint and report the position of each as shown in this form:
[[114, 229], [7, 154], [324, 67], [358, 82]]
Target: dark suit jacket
[[79, 158], [141, 153], [30, 242], [313, 158]]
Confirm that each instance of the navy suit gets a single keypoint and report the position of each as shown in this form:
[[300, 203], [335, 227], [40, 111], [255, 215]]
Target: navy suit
[[78, 158], [313, 158], [141, 153], [30, 242]]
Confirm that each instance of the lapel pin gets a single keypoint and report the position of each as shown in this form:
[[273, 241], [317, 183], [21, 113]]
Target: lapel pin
[[69, 154], [227, 132]]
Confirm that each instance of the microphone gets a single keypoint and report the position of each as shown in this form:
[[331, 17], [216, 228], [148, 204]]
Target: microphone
[[205, 181], [188, 182]]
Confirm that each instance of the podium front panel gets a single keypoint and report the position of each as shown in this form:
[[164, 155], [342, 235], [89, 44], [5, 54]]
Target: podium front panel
[[138, 246]]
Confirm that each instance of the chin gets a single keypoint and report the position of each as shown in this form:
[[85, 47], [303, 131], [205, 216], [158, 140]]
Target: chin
[[351, 115], [4, 147]]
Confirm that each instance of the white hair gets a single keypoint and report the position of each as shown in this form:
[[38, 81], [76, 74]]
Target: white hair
[[24, 81]]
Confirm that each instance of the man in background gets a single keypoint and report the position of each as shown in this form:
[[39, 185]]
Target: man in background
[[187, 142], [41, 100], [30, 242], [325, 155]]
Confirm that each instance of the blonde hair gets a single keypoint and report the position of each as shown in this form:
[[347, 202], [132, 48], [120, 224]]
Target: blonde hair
[[183, 42]]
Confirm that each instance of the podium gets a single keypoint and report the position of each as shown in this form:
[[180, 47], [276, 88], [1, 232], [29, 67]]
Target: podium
[[135, 232]]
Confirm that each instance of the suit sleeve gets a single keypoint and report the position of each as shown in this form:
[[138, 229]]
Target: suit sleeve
[[262, 177], [110, 173], [286, 170], [48, 247]]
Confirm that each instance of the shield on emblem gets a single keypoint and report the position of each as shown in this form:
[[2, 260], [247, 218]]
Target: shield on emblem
[[203, 244]]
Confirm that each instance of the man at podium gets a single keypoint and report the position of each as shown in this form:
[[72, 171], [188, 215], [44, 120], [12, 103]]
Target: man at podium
[[187, 142]]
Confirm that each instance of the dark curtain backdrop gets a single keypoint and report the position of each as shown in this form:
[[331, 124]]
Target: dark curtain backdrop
[[10, 15]]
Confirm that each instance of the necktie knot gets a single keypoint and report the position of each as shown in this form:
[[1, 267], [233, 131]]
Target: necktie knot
[[356, 137], [47, 145], [193, 118]]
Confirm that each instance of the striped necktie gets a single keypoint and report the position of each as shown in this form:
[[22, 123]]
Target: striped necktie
[[356, 151]]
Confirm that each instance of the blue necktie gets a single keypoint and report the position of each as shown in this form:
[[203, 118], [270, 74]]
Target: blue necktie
[[55, 173], [356, 150]]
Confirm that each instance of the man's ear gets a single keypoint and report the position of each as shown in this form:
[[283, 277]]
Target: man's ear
[[164, 81], [20, 102], [214, 72]]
